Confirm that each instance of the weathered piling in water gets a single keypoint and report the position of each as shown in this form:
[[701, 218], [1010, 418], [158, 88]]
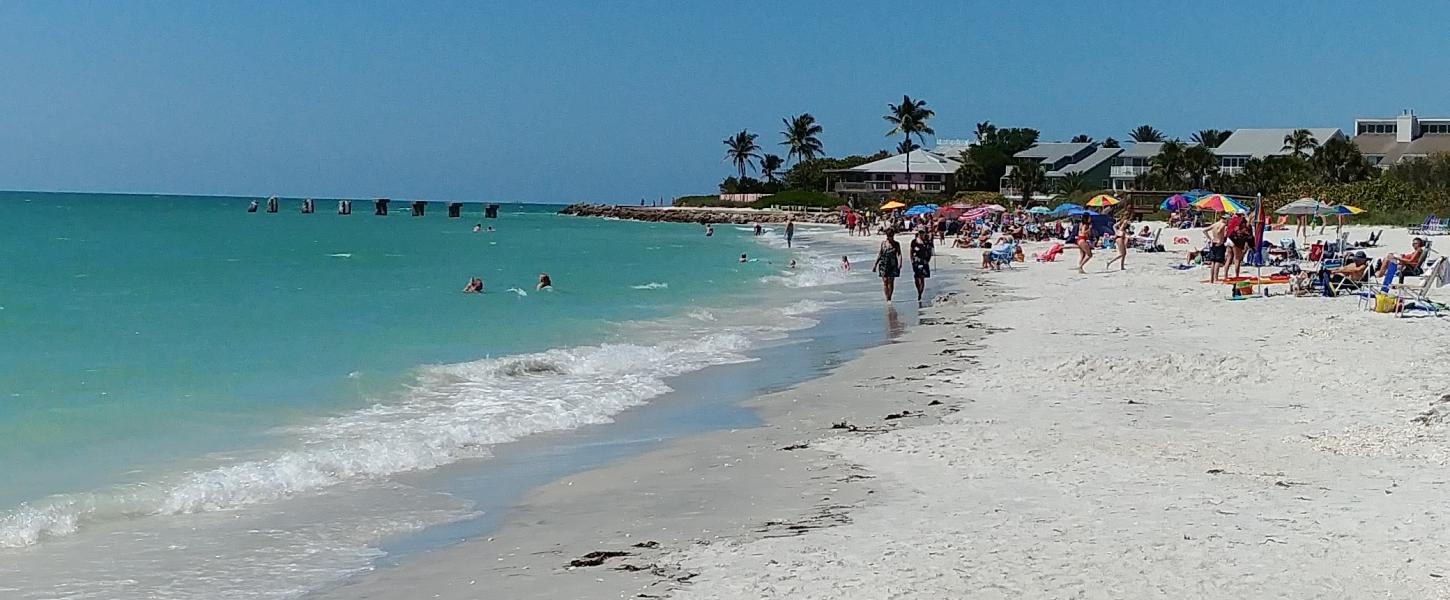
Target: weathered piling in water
[[380, 207]]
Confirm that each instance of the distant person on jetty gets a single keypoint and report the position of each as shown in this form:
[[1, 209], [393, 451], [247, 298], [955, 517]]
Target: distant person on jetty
[[1084, 241], [544, 282], [1217, 251], [921, 250], [789, 231], [888, 263], [475, 286]]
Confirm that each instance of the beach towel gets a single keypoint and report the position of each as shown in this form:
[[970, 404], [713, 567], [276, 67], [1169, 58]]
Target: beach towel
[[1051, 253]]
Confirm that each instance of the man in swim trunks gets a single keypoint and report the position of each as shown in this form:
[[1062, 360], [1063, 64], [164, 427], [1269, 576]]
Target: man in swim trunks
[[1216, 234]]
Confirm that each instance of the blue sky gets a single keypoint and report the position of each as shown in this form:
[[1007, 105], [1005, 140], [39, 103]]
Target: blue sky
[[606, 101]]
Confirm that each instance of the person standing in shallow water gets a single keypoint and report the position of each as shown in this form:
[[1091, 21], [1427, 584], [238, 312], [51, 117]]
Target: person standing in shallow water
[[888, 263], [789, 231], [921, 250]]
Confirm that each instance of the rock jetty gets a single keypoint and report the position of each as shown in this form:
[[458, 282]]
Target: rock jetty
[[737, 216]]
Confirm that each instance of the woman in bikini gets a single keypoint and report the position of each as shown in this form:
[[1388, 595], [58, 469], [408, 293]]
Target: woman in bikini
[[888, 263], [1120, 241], [1085, 241]]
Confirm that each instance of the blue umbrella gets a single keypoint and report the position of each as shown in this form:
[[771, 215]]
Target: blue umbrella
[[1078, 212], [1064, 208], [1039, 210], [1195, 194], [920, 209]]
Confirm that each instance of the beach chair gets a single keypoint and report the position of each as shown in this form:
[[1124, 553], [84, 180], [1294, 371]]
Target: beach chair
[[1420, 228], [1003, 257], [1418, 297], [1419, 264], [1367, 295]]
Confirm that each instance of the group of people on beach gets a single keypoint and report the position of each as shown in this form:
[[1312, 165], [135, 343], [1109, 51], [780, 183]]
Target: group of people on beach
[[889, 261]]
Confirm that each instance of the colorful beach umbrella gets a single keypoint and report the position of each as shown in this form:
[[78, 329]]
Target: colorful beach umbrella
[[1039, 210], [920, 209], [892, 205], [1345, 209], [1219, 203], [1102, 200], [1176, 202], [995, 208]]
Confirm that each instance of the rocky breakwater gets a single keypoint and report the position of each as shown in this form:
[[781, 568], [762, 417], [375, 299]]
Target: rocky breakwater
[[737, 216]]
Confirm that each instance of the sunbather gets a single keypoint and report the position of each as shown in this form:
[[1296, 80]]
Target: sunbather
[[1409, 263]]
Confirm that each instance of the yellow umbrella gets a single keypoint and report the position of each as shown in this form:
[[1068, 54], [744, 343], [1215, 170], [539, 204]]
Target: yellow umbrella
[[892, 205], [1101, 200], [1345, 209]]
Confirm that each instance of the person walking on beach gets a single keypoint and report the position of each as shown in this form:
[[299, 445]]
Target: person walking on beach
[[789, 231], [888, 263], [1084, 242], [1240, 236], [1216, 233], [921, 250], [1120, 241]]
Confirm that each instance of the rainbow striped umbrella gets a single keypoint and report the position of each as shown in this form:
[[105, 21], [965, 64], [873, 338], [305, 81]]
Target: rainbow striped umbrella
[[1219, 203], [1101, 200]]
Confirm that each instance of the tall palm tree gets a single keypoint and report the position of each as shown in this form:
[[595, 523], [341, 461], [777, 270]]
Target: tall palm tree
[[1340, 161], [1082, 138], [906, 146], [1200, 164], [985, 129], [800, 135], [741, 150], [1299, 141], [1167, 168], [1073, 183], [1211, 138], [1146, 133], [769, 164], [1028, 177], [1111, 143], [909, 118]]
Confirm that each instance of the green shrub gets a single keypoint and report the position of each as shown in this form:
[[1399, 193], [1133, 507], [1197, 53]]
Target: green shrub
[[702, 201], [798, 198]]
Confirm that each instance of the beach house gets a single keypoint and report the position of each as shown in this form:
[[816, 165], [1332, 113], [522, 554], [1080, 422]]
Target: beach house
[[1132, 162], [918, 171], [1384, 142], [1060, 159], [1245, 144]]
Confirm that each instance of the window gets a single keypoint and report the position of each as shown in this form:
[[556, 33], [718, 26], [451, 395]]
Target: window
[[1233, 161], [1435, 128], [1376, 128]]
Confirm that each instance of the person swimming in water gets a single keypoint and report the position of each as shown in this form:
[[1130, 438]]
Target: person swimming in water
[[743, 258], [475, 286], [845, 263], [709, 230], [758, 229], [477, 227], [544, 281], [792, 263]]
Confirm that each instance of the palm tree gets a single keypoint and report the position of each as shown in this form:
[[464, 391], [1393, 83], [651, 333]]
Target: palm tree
[[1082, 138], [1259, 177], [769, 164], [909, 118], [741, 150], [906, 146], [1167, 168], [1027, 177], [800, 135], [1299, 141], [1340, 161], [1073, 183], [1111, 143], [1145, 133], [1200, 164], [1211, 138], [985, 129]]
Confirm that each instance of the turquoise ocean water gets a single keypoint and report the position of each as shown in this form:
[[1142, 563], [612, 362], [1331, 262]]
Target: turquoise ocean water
[[249, 385]]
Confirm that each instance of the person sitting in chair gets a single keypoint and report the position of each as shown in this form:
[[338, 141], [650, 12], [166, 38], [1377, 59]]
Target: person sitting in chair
[[1352, 273], [1409, 263]]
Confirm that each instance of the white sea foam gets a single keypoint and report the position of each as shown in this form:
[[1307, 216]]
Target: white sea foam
[[451, 412], [653, 285], [341, 255], [521, 293]]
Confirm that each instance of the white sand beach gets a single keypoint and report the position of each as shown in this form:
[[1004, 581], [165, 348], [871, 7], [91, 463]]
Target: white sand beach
[[1042, 434]]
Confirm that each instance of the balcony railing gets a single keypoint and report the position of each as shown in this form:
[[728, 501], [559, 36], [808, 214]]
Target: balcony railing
[[1128, 172], [887, 186]]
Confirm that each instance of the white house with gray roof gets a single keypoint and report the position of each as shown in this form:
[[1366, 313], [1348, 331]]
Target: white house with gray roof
[[929, 173], [1245, 144], [1385, 142]]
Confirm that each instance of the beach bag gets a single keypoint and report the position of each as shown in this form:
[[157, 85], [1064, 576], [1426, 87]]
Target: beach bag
[[1385, 303]]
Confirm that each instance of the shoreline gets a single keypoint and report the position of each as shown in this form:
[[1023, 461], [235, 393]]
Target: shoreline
[[738, 484], [674, 214]]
